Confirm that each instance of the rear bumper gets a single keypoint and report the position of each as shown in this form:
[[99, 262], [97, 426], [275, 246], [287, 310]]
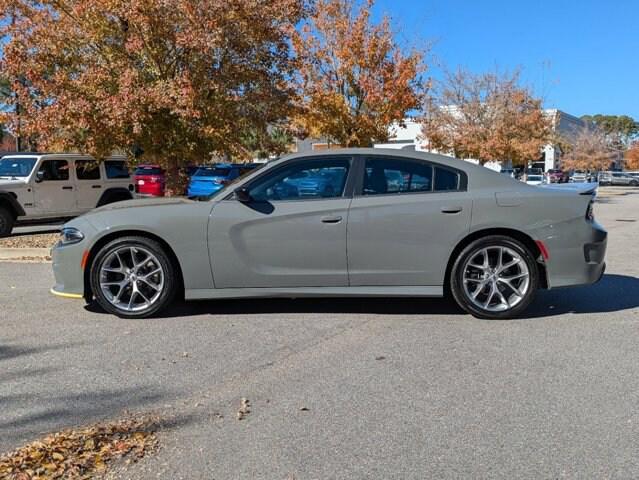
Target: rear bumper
[[577, 254]]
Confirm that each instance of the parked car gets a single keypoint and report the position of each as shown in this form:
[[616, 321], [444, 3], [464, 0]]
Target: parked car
[[556, 176], [508, 171], [579, 176], [534, 179], [208, 179], [488, 239], [150, 181], [618, 178], [38, 187]]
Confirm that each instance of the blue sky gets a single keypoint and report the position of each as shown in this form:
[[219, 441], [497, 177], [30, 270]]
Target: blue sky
[[580, 56]]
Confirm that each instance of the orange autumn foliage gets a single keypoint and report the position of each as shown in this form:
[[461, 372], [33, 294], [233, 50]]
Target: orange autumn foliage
[[354, 81], [487, 117], [179, 79]]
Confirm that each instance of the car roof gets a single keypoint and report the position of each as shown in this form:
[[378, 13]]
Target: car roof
[[481, 176]]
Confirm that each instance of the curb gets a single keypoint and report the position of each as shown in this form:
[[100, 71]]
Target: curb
[[25, 254]]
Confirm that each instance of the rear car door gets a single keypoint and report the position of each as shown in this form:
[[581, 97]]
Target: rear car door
[[88, 183], [285, 235], [405, 218], [55, 192]]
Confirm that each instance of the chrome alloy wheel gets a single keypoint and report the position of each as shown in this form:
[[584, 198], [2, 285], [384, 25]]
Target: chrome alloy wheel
[[131, 278], [496, 278]]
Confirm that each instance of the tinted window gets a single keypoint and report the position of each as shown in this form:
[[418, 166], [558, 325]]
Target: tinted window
[[446, 179], [87, 170], [148, 171], [317, 178], [388, 175], [54, 170], [212, 172], [116, 169], [16, 166]]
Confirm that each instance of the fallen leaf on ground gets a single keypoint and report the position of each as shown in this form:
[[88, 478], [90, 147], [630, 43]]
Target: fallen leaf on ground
[[77, 453], [244, 410]]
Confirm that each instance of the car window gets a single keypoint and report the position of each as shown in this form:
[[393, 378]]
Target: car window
[[116, 169], [212, 172], [54, 170], [87, 170], [17, 166], [302, 180], [148, 170], [389, 175], [447, 180]]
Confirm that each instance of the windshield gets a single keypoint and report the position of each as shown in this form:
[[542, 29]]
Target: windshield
[[231, 185], [148, 171], [17, 166], [212, 172]]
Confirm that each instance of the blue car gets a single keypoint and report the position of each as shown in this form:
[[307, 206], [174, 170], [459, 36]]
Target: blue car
[[208, 179]]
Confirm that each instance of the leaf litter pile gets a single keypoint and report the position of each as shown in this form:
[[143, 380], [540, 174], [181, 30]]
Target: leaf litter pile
[[80, 453]]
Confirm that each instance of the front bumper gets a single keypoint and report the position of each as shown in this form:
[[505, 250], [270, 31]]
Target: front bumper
[[67, 262]]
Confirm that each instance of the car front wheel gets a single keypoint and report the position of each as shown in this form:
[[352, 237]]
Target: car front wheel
[[133, 277], [494, 277], [6, 222]]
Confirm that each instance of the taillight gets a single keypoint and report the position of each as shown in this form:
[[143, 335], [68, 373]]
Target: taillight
[[590, 213]]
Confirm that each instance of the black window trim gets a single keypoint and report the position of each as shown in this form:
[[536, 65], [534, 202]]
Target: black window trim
[[75, 170], [361, 167], [69, 163], [348, 186]]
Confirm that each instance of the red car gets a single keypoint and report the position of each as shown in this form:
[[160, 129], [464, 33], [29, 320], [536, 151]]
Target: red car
[[149, 181], [557, 176]]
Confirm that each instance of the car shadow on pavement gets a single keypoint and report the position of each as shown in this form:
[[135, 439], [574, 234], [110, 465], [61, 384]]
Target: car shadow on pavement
[[25, 417], [612, 293]]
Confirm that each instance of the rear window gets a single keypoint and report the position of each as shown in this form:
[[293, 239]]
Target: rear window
[[116, 169], [148, 171], [446, 180], [212, 172]]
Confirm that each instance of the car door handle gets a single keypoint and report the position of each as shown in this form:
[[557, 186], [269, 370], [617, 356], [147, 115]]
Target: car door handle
[[96, 186], [67, 188], [451, 209], [335, 219]]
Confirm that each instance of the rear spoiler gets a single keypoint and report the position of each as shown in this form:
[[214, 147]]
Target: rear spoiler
[[578, 188]]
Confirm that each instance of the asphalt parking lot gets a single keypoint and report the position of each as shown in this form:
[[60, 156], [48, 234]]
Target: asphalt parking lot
[[343, 388]]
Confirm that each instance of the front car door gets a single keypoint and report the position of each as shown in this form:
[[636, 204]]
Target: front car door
[[54, 192], [405, 218], [292, 231]]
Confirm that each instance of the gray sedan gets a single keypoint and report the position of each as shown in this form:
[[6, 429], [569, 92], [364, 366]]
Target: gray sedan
[[384, 223]]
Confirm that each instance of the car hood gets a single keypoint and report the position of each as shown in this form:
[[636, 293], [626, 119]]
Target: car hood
[[12, 182], [144, 202]]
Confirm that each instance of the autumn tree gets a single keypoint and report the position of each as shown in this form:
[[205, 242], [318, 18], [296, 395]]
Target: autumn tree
[[631, 157], [619, 129], [590, 150], [354, 80], [175, 79], [487, 117]]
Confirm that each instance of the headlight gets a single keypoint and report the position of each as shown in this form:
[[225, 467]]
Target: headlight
[[70, 235]]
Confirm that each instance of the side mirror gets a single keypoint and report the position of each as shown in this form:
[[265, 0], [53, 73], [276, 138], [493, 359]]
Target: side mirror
[[39, 176], [243, 195]]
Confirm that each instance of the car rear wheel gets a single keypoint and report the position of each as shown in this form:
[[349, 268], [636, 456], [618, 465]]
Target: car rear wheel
[[494, 277], [6, 222], [133, 277]]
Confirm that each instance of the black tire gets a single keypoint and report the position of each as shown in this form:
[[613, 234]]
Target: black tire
[[6, 222], [634, 183], [471, 252], [114, 197], [166, 293]]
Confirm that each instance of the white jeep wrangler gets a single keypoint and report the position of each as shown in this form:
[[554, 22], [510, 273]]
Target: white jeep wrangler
[[36, 188]]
